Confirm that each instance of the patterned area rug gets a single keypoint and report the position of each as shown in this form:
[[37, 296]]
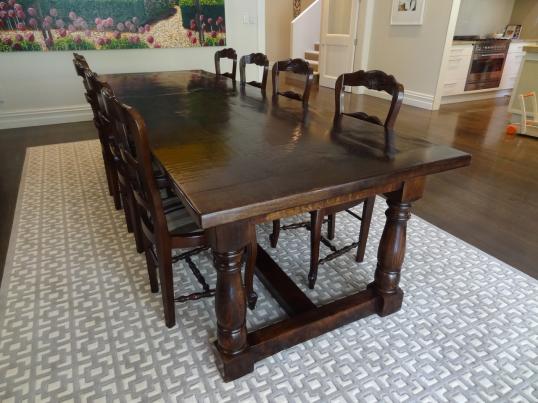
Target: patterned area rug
[[79, 323]]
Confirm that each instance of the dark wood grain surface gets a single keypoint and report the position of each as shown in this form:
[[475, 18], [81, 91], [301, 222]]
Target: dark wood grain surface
[[484, 199], [235, 154]]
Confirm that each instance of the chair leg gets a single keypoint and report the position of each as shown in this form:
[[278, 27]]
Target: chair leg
[[106, 163], [276, 233], [252, 250], [166, 278], [316, 220], [152, 269], [126, 207], [367, 210], [116, 196], [331, 226], [135, 222]]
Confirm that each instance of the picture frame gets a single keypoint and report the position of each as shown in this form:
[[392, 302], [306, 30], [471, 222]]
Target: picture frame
[[407, 12], [512, 32], [77, 25]]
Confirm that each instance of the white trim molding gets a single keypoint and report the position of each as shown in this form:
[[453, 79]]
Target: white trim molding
[[45, 116], [451, 29], [451, 99], [413, 98]]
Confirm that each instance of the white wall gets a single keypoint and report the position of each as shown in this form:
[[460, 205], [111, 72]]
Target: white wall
[[413, 54], [42, 88], [305, 4], [278, 14], [482, 17], [526, 13], [305, 31]]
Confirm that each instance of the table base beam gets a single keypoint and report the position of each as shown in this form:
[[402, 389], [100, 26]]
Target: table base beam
[[306, 321]]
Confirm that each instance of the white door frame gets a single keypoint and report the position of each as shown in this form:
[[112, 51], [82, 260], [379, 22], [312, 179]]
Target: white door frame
[[446, 54], [337, 40]]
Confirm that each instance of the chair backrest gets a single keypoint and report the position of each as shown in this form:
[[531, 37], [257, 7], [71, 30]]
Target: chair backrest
[[228, 53], [135, 156], [259, 59], [374, 80], [80, 64], [82, 69], [297, 66], [94, 87], [110, 115]]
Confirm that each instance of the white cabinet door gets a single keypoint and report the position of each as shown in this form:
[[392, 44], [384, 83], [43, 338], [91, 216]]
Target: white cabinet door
[[511, 70], [338, 32], [457, 69]]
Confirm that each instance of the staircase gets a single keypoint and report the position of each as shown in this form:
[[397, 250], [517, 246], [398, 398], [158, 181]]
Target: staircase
[[305, 35], [312, 57]]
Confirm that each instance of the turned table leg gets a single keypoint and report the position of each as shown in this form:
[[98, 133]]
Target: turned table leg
[[391, 252], [230, 302], [228, 245], [390, 257]]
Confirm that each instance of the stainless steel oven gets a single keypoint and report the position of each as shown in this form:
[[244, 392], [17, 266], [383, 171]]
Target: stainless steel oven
[[487, 64]]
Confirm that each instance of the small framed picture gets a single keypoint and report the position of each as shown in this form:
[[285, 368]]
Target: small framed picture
[[407, 12], [512, 31]]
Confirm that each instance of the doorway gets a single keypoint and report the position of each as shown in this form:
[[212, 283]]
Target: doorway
[[339, 21]]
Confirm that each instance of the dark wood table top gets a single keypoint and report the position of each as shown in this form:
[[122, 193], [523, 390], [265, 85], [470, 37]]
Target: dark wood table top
[[234, 154]]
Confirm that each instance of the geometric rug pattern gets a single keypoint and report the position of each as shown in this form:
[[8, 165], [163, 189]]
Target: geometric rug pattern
[[78, 321]]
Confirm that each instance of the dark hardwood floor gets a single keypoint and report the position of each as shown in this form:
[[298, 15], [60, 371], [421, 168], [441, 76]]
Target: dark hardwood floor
[[492, 205]]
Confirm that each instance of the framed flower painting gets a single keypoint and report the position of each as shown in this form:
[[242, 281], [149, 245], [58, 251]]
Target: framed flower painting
[[70, 25]]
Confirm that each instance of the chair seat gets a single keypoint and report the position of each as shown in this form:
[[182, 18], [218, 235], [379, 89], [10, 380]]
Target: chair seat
[[157, 169], [178, 219]]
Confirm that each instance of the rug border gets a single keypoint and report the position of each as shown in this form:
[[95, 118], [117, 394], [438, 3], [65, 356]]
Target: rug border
[[8, 264], [515, 269]]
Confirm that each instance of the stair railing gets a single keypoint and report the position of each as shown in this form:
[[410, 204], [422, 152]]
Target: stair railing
[[306, 30]]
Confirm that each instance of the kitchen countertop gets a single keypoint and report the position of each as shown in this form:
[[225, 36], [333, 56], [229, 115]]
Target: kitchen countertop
[[524, 40], [462, 43]]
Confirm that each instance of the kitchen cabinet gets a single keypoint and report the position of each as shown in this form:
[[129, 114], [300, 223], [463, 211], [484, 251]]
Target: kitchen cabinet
[[458, 65], [511, 66], [457, 69]]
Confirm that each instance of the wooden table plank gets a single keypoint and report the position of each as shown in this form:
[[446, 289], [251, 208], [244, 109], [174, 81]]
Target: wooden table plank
[[237, 159], [236, 155]]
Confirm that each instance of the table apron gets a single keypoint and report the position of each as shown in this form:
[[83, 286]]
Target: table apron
[[327, 203]]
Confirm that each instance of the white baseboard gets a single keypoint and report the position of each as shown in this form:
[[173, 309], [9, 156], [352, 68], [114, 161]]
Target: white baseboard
[[45, 116], [413, 98], [451, 99]]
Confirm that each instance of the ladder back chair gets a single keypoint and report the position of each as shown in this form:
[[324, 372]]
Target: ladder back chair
[[228, 53], [105, 138], [259, 59], [163, 229], [297, 66], [376, 80], [110, 112], [116, 133]]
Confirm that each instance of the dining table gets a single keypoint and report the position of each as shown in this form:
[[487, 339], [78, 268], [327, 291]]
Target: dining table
[[238, 157]]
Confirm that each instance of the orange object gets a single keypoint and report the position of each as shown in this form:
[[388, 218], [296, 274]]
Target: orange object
[[511, 129]]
